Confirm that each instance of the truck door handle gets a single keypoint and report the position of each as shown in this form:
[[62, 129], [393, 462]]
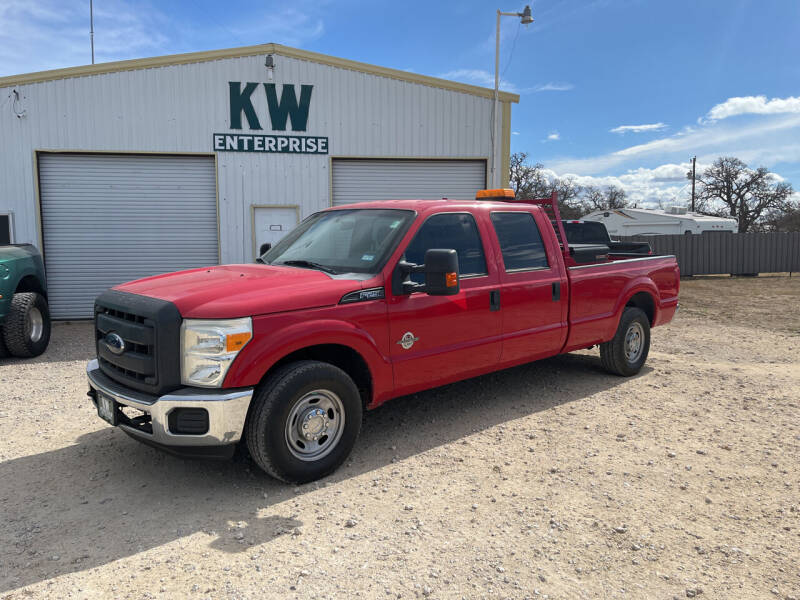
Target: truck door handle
[[494, 300], [556, 291]]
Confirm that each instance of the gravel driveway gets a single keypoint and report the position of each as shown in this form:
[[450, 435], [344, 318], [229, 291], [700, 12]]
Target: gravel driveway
[[552, 479]]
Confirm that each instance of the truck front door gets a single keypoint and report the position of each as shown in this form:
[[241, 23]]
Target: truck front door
[[438, 339]]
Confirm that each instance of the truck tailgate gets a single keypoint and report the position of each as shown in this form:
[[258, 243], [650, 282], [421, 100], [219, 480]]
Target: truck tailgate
[[599, 293]]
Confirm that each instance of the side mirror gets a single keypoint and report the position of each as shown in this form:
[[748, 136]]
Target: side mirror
[[264, 248], [441, 275], [441, 272]]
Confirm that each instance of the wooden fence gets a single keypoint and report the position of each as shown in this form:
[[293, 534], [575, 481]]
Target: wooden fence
[[729, 253]]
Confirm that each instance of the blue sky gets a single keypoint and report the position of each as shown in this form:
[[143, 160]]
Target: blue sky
[[612, 91]]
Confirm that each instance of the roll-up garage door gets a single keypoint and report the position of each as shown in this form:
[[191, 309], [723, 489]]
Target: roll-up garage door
[[368, 180], [109, 218]]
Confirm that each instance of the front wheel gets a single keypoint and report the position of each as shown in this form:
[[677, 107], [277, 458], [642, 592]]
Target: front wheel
[[304, 421], [26, 330], [626, 353]]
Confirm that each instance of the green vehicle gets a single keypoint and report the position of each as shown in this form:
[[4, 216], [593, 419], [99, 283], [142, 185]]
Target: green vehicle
[[24, 315]]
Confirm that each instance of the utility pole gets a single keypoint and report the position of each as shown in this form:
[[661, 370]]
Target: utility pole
[[694, 163], [91, 27]]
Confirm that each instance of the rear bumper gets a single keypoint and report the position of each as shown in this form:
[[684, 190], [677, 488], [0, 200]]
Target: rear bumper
[[227, 411]]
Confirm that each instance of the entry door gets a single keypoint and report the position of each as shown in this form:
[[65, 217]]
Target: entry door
[[438, 339], [271, 223], [533, 295]]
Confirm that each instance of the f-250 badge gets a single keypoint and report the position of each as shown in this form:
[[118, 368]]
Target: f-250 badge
[[407, 340]]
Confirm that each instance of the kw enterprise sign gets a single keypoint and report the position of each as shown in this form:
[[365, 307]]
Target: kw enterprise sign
[[279, 111]]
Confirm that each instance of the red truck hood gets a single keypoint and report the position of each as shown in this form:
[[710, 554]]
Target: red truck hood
[[231, 291]]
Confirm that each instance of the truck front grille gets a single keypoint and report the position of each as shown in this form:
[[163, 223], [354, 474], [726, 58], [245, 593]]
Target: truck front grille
[[147, 359]]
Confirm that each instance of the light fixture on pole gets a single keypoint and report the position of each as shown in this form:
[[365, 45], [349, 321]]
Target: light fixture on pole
[[525, 19]]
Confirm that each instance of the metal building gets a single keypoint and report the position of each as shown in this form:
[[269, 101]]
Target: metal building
[[128, 169]]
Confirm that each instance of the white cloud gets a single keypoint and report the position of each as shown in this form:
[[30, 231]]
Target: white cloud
[[48, 34], [638, 128], [484, 78], [479, 77], [554, 136], [711, 138], [754, 105], [665, 184], [515, 133], [551, 87]]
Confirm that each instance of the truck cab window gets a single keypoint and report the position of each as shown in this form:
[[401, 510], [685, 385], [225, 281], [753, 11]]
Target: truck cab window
[[520, 241], [456, 231]]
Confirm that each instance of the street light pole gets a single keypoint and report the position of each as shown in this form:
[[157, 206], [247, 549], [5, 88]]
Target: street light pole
[[525, 19]]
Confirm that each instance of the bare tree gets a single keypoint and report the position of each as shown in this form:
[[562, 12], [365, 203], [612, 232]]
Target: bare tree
[[730, 188], [533, 181], [784, 220], [607, 198]]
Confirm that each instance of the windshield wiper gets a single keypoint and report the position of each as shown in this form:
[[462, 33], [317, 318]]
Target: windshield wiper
[[308, 264]]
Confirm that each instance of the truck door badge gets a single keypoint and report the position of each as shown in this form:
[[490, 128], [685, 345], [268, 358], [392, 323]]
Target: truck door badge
[[407, 340]]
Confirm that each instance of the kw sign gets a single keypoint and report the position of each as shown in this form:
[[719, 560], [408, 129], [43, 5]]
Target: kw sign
[[288, 109]]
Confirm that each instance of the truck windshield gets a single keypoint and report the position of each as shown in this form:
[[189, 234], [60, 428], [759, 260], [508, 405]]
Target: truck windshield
[[342, 241]]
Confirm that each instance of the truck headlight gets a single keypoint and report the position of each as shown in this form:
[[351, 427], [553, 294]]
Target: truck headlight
[[209, 347]]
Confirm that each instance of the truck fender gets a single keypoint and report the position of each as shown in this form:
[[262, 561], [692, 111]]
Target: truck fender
[[635, 286], [269, 346]]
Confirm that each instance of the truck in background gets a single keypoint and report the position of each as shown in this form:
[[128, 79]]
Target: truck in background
[[644, 221], [24, 314]]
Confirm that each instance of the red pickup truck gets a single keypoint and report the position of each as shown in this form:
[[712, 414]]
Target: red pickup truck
[[359, 304]]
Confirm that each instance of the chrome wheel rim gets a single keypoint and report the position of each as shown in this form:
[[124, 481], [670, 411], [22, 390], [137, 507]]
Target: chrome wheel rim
[[34, 324], [315, 425], [634, 342]]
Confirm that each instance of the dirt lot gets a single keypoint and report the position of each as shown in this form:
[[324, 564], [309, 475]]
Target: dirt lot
[[548, 480]]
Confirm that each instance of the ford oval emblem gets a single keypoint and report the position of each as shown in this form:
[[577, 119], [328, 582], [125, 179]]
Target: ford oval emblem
[[115, 343]]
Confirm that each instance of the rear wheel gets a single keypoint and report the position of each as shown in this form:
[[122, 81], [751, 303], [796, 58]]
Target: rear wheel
[[26, 330], [626, 353], [304, 421]]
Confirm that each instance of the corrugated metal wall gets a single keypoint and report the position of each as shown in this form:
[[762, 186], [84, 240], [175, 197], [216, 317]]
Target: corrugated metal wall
[[108, 219], [176, 109], [729, 253], [368, 180]]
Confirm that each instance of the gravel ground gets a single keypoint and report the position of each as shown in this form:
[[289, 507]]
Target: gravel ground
[[552, 479]]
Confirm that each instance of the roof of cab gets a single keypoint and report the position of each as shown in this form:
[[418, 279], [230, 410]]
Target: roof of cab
[[422, 206]]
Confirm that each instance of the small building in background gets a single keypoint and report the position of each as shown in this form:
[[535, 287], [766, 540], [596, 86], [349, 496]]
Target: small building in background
[[671, 221]]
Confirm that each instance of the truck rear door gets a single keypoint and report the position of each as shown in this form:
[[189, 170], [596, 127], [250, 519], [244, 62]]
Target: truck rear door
[[439, 339], [533, 286]]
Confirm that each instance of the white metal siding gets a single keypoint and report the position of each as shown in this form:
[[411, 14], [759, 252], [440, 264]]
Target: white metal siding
[[176, 109], [107, 219], [367, 180]]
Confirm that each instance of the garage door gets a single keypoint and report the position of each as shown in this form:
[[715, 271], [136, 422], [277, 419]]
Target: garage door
[[368, 180], [107, 219]]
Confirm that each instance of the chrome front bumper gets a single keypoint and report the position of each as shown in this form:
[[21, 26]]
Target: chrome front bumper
[[227, 411]]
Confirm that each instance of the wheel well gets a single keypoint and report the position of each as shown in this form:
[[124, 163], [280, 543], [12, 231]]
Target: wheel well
[[344, 357], [644, 301], [30, 283]]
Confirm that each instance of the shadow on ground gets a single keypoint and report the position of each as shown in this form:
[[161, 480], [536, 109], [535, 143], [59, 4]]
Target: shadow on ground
[[107, 497]]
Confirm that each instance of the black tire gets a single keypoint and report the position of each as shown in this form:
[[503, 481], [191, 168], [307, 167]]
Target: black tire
[[276, 401], [4, 353], [613, 354], [23, 340]]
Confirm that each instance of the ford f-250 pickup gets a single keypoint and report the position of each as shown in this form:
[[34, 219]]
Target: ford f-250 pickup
[[357, 305]]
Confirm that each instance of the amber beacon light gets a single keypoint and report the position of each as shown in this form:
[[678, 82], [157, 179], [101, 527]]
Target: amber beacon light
[[501, 194]]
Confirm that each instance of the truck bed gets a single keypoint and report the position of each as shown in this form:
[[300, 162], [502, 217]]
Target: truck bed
[[597, 292]]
